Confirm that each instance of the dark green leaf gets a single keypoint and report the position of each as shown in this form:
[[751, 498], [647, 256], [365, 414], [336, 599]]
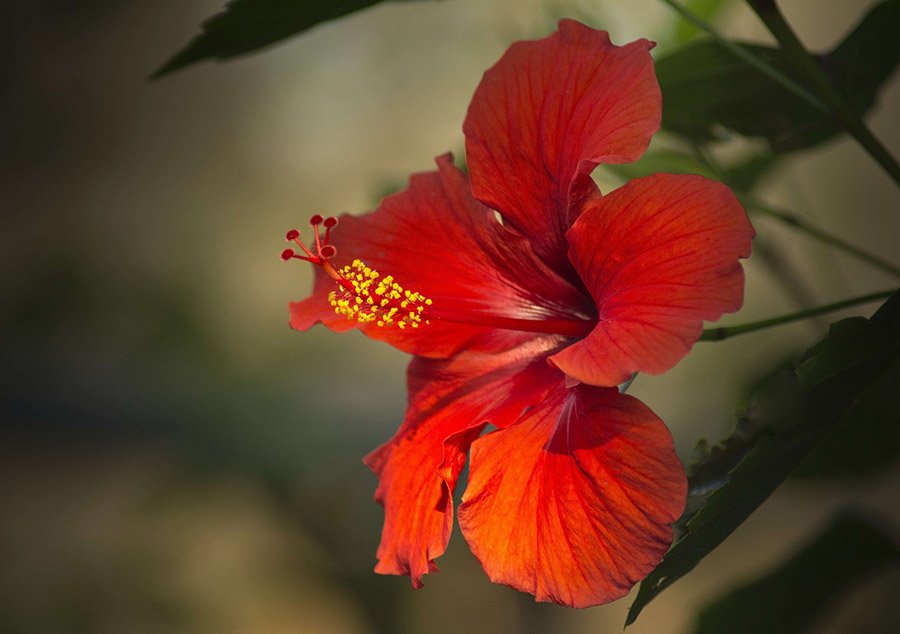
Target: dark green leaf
[[790, 420], [867, 57], [707, 89], [248, 25], [788, 599], [771, 394], [850, 342], [867, 439]]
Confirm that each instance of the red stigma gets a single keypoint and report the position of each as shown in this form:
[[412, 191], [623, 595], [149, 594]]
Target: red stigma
[[320, 251]]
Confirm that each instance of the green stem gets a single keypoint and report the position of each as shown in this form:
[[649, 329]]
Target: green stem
[[793, 220], [772, 17], [724, 332], [748, 56]]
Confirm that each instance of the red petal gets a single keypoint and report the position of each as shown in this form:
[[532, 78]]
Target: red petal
[[659, 256], [574, 503], [450, 401], [545, 115], [436, 239]]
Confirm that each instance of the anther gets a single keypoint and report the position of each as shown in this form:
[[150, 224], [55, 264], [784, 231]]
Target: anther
[[367, 297]]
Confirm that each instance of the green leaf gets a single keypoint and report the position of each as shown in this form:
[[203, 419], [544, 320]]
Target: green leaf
[[789, 420], [867, 57], [867, 438], [774, 393], [247, 25], [850, 342], [668, 161], [788, 599], [743, 176], [706, 88]]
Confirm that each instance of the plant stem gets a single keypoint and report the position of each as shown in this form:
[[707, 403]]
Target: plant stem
[[793, 220], [748, 56], [724, 332], [772, 17]]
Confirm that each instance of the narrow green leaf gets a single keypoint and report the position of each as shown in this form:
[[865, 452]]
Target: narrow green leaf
[[789, 422], [248, 25], [787, 600], [707, 89]]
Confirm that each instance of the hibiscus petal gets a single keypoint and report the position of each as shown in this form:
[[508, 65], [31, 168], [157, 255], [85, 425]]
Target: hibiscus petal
[[450, 401], [545, 115], [436, 239], [659, 256], [575, 502]]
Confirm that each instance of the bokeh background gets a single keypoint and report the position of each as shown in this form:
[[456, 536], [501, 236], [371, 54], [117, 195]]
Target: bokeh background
[[173, 458]]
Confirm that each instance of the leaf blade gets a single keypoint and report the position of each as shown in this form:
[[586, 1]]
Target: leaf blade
[[791, 436], [850, 548], [707, 88], [244, 26]]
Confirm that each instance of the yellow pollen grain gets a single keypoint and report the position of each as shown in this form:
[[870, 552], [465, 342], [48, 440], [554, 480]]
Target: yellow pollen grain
[[376, 299]]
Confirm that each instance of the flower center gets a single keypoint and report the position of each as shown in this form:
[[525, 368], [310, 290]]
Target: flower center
[[363, 295], [378, 300]]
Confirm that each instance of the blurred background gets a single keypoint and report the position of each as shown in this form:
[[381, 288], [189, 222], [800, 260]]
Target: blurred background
[[173, 458]]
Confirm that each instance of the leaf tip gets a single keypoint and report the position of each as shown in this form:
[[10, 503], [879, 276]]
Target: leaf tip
[[191, 53]]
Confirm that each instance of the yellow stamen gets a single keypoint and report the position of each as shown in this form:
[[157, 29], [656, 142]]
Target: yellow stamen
[[377, 300]]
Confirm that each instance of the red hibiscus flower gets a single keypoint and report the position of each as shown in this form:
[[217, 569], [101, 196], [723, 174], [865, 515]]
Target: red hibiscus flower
[[530, 322]]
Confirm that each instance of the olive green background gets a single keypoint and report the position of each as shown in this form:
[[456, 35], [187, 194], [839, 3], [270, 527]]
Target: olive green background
[[172, 457]]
